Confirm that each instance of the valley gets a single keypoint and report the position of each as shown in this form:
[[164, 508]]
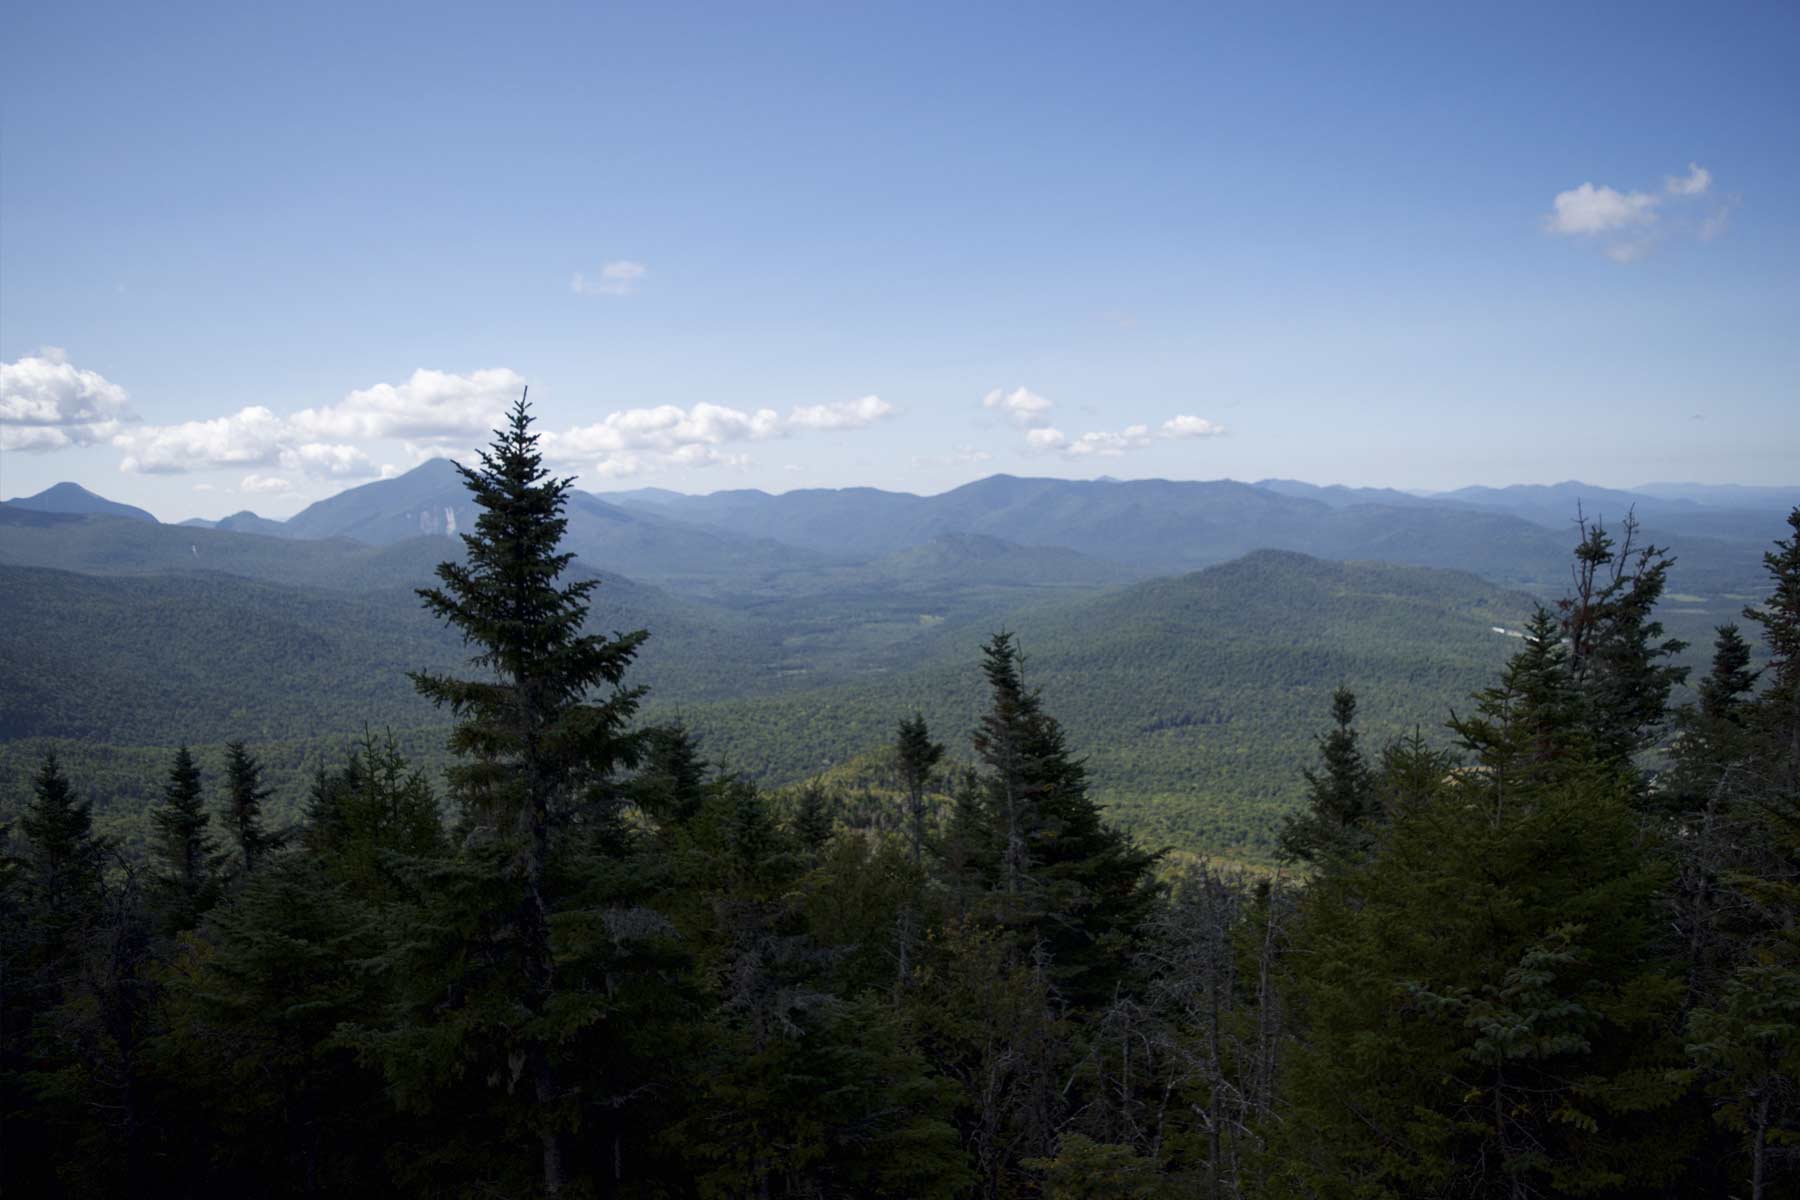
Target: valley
[[1189, 634]]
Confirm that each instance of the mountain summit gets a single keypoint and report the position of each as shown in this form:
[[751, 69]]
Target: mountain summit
[[73, 498]]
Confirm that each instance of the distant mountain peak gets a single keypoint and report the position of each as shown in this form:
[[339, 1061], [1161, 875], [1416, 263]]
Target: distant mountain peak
[[67, 497]]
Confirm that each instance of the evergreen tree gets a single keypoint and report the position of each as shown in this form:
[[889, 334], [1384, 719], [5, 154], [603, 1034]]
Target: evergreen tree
[[1063, 877], [244, 796], [918, 756], [1528, 728], [188, 858], [1341, 803], [670, 785], [814, 816], [55, 903], [536, 760], [1740, 901], [1618, 658], [95, 1082], [60, 870], [1486, 1013], [367, 816], [1730, 682], [1779, 617], [252, 1041]]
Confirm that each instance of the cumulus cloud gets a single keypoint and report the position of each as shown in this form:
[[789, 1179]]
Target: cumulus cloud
[[431, 414], [618, 278], [1632, 224], [1132, 437], [430, 404], [1187, 426], [845, 414], [1112, 443], [633, 440], [48, 403], [251, 436], [1589, 210], [334, 460], [270, 484], [1025, 409], [1694, 183]]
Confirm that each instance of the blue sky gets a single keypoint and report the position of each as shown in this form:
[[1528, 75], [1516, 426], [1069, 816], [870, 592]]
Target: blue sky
[[248, 258]]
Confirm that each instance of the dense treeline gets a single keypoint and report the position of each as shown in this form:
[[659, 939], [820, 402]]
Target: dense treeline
[[598, 966]]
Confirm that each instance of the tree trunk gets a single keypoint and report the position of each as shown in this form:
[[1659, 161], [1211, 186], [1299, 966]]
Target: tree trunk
[[549, 1136], [1759, 1147]]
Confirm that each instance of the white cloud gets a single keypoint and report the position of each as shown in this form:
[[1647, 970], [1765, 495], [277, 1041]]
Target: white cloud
[[845, 414], [1694, 183], [270, 484], [663, 429], [618, 278], [1024, 408], [1590, 210], [1110, 443], [335, 460], [1132, 437], [634, 440], [1632, 222], [1187, 426], [47, 403], [249, 437], [430, 404]]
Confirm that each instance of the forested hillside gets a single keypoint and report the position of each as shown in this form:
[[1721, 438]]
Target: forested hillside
[[1196, 697], [1195, 700], [1556, 954]]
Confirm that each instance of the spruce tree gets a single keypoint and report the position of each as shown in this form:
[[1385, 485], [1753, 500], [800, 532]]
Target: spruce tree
[[1486, 1010], [252, 1041], [1528, 727], [670, 785], [918, 756], [536, 759], [1341, 804], [1742, 903], [54, 909], [374, 811], [1779, 617], [814, 817], [1064, 877], [1618, 658], [61, 866], [188, 858], [1730, 681], [244, 796]]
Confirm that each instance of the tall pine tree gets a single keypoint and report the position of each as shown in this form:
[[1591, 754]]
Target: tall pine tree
[[244, 796], [1342, 802], [1059, 873], [918, 756], [188, 857], [536, 759]]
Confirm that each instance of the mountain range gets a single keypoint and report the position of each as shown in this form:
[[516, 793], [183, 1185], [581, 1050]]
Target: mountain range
[[1189, 633]]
